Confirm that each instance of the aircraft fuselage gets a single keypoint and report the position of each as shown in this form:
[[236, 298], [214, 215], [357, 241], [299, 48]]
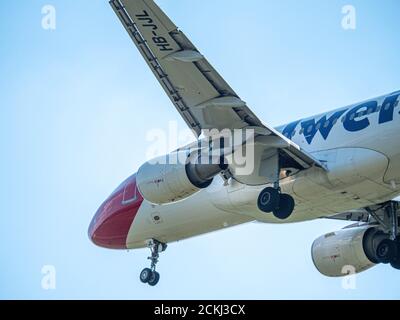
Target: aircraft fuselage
[[358, 144]]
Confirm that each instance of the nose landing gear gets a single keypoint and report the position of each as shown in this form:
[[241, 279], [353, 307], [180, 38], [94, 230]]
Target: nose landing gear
[[150, 275]]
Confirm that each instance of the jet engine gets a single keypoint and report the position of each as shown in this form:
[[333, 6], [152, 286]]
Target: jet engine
[[353, 250], [177, 176]]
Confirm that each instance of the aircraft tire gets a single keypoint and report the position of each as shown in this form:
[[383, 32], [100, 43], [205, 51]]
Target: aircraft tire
[[146, 275], [268, 200], [395, 263], [386, 251], [285, 207], [154, 279]]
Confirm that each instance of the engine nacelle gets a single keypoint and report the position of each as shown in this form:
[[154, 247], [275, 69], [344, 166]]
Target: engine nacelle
[[175, 177], [349, 250]]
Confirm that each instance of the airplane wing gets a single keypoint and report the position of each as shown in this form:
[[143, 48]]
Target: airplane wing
[[199, 93], [375, 213], [360, 215]]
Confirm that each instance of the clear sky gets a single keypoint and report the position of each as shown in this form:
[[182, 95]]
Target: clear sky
[[76, 104]]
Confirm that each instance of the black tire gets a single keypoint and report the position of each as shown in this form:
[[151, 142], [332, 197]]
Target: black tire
[[386, 251], [268, 200], [146, 275], [395, 263], [285, 208], [154, 279]]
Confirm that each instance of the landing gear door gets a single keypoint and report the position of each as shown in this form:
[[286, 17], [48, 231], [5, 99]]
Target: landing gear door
[[260, 165]]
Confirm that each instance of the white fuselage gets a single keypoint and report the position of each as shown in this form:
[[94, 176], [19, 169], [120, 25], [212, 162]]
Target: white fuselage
[[359, 145]]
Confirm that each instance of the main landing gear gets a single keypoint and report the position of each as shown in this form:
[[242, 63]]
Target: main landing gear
[[272, 200], [150, 275], [388, 250]]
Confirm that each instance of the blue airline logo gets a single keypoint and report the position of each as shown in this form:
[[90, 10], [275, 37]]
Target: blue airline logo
[[354, 120]]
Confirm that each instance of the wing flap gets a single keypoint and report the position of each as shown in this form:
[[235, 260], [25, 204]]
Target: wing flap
[[189, 82]]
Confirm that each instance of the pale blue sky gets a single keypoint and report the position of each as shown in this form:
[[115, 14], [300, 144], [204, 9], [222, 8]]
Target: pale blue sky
[[75, 107]]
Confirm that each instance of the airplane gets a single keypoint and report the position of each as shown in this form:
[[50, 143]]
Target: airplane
[[343, 164]]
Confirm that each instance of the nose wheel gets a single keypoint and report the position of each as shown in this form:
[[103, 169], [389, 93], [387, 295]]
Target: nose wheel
[[150, 275]]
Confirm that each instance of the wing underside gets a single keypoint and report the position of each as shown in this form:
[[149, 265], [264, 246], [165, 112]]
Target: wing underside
[[202, 97], [374, 214]]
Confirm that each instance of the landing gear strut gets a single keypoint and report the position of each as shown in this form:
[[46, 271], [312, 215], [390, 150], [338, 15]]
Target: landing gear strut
[[280, 204], [150, 275], [271, 199]]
